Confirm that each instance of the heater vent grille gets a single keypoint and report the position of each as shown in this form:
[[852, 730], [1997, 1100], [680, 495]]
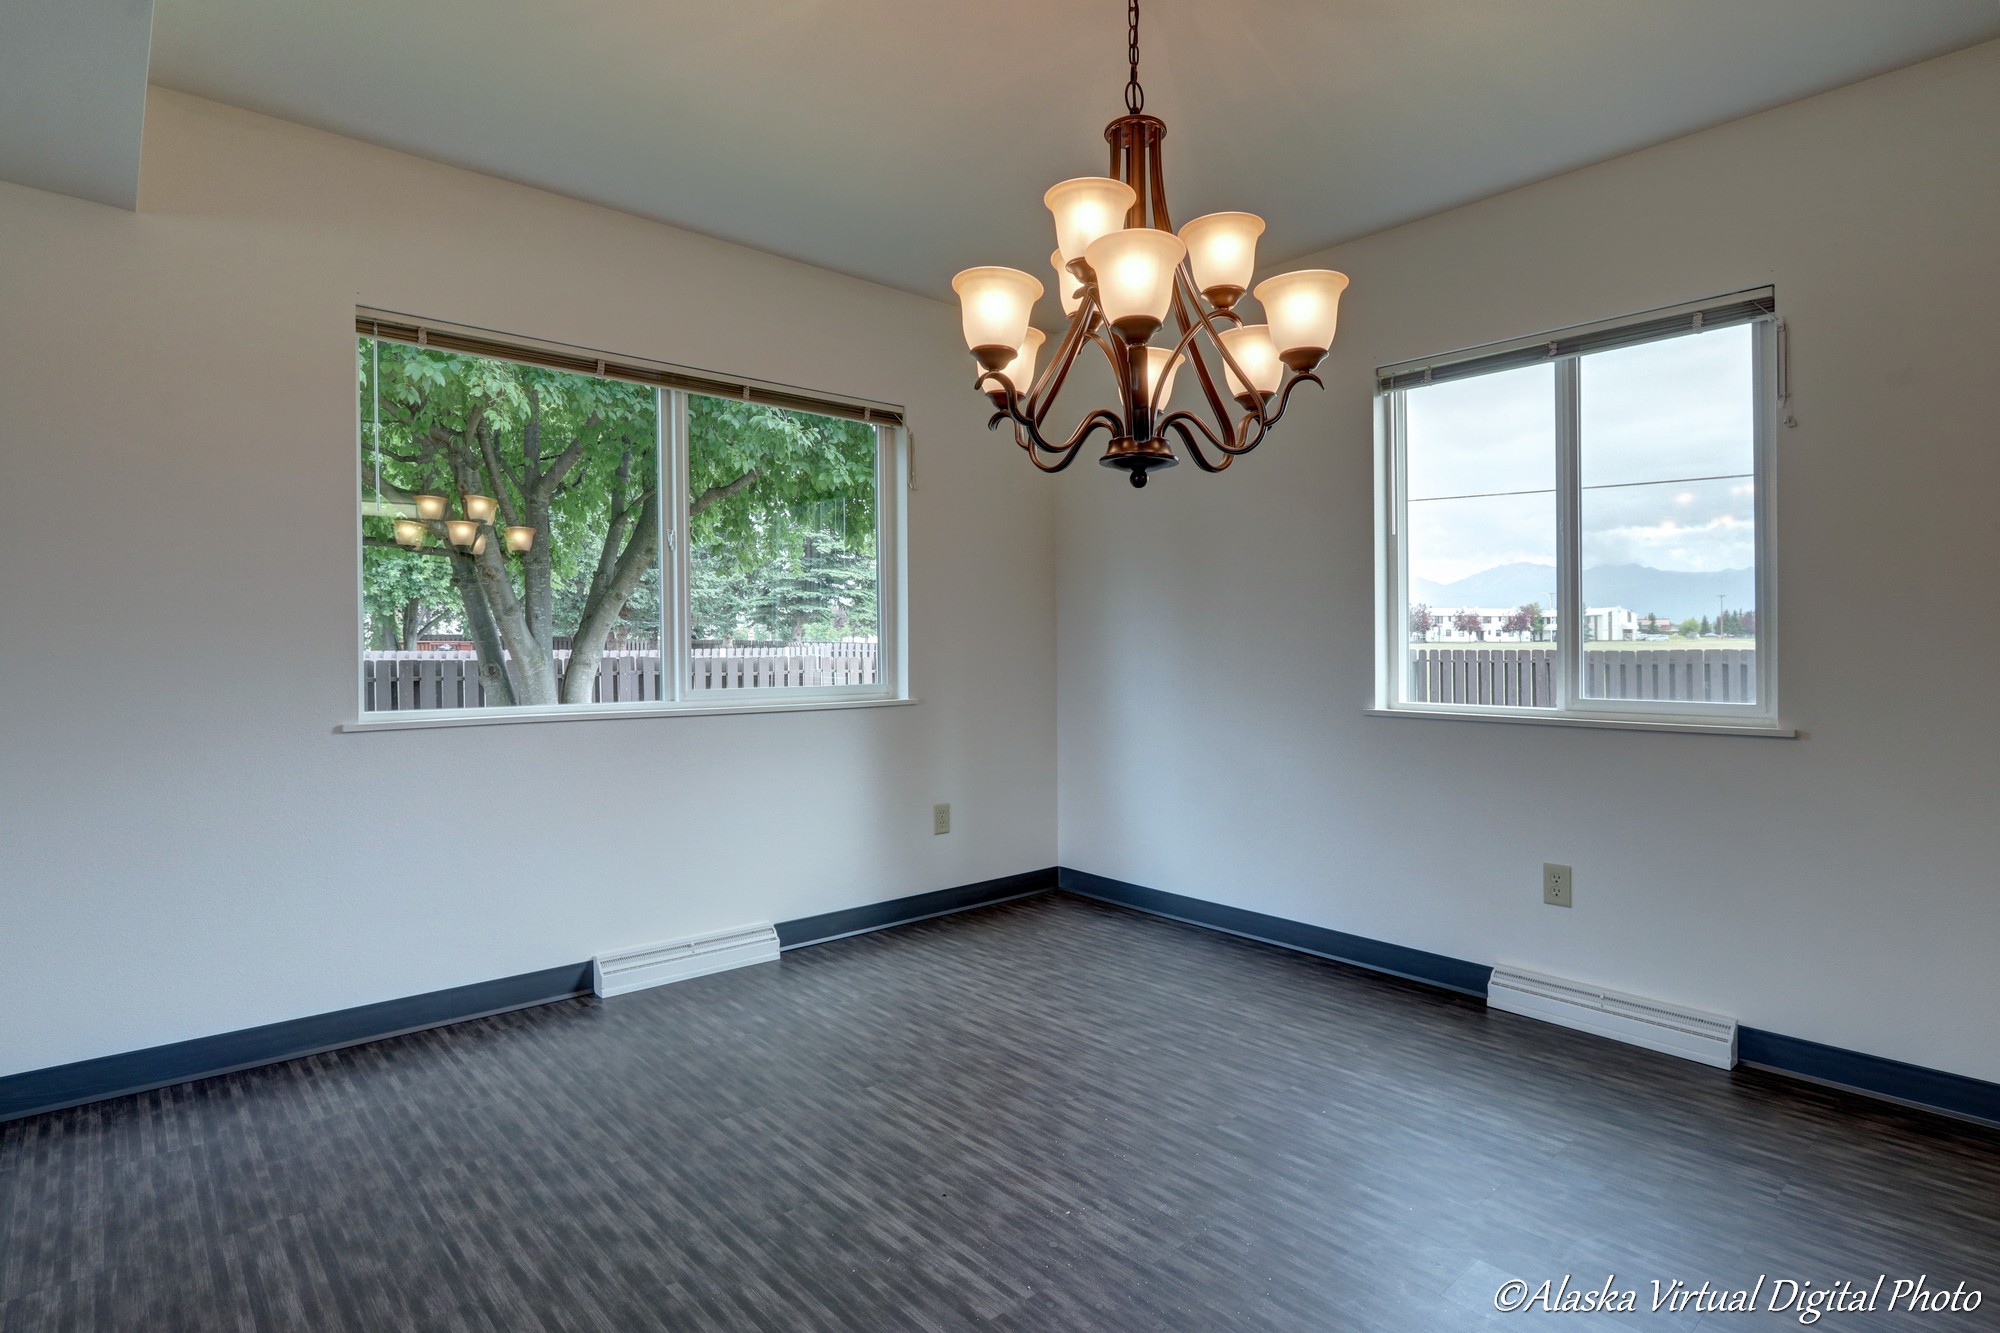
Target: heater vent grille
[[679, 960], [1691, 1034]]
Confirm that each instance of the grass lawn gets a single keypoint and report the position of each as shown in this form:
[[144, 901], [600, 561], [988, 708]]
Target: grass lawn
[[1676, 643]]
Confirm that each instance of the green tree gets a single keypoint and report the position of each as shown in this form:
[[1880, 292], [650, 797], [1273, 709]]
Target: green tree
[[785, 547], [405, 599], [574, 458]]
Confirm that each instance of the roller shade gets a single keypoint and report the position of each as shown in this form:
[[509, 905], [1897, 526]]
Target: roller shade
[[555, 356], [1718, 312]]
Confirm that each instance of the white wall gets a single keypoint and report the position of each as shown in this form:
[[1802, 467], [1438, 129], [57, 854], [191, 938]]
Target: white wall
[[1216, 650], [182, 852]]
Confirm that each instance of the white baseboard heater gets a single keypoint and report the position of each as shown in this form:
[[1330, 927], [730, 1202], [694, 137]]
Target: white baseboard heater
[[1691, 1034], [680, 960]]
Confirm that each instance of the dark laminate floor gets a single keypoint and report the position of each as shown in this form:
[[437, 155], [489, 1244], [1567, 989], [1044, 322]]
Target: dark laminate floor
[[1046, 1115]]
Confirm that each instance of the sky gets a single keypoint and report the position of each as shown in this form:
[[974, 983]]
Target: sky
[[1667, 447]]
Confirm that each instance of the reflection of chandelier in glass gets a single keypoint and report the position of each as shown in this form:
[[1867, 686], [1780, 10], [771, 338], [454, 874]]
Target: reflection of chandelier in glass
[[467, 534], [1119, 287]]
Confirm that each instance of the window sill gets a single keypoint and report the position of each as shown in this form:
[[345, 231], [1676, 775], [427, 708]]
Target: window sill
[[1771, 729], [447, 717]]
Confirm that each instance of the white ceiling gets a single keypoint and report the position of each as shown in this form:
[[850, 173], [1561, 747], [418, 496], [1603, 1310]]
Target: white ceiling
[[73, 95], [901, 140]]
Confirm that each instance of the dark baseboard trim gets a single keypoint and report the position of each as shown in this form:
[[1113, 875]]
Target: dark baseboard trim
[[1925, 1089], [1434, 969], [828, 926], [40, 1090], [1871, 1075]]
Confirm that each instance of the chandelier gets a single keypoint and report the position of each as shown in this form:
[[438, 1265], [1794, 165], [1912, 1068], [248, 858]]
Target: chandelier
[[468, 534], [1120, 286]]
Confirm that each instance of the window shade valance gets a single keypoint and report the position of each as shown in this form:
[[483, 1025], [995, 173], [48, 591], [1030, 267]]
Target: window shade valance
[[556, 356]]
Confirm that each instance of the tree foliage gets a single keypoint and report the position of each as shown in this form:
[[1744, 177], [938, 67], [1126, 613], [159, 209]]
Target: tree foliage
[[1422, 622], [782, 523], [780, 516]]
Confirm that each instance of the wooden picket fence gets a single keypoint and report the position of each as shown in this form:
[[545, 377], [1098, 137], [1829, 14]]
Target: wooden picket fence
[[449, 678], [1525, 677]]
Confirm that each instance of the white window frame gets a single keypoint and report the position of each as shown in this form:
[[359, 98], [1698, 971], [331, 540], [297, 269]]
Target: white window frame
[[1571, 708], [892, 481]]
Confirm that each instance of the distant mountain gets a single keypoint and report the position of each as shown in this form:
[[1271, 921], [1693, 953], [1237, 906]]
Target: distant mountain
[[1670, 594], [1503, 585]]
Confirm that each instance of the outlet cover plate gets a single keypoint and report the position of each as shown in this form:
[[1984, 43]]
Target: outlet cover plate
[[941, 818], [1556, 885]]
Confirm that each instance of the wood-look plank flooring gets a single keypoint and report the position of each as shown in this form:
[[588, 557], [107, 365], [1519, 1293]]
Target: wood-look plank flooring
[[1047, 1115]]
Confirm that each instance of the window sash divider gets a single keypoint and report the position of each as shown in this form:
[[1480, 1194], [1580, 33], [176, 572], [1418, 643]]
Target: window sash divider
[[679, 657], [1569, 524]]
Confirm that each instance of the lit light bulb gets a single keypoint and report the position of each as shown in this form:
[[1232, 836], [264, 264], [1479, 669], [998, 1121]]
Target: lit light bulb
[[1158, 367], [1304, 310], [1135, 278], [1085, 209], [1020, 372], [1222, 251], [1250, 346], [994, 304]]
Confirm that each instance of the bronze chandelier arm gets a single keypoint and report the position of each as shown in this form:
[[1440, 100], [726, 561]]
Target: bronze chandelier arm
[[1027, 431], [1185, 300], [1067, 451], [1248, 434], [1185, 424], [1049, 383], [1205, 320]]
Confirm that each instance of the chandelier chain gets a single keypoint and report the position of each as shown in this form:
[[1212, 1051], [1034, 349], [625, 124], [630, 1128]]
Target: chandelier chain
[[1135, 96]]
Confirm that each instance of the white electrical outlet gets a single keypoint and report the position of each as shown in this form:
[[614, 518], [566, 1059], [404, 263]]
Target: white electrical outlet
[[1555, 885], [941, 819]]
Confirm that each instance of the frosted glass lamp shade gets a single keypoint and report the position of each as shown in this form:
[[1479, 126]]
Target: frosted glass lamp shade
[[479, 544], [1085, 209], [1158, 366], [1135, 271], [1069, 288], [994, 304], [462, 531], [409, 532], [429, 506], [1251, 347], [479, 508], [1020, 372], [1303, 308], [1222, 249], [520, 539]]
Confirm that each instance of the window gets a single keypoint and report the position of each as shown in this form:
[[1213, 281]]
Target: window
[[1577, 525], [549, 530]]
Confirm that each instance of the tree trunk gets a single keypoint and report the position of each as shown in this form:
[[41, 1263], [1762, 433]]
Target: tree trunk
[[607, 603], [532, 668], [485, 637]]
